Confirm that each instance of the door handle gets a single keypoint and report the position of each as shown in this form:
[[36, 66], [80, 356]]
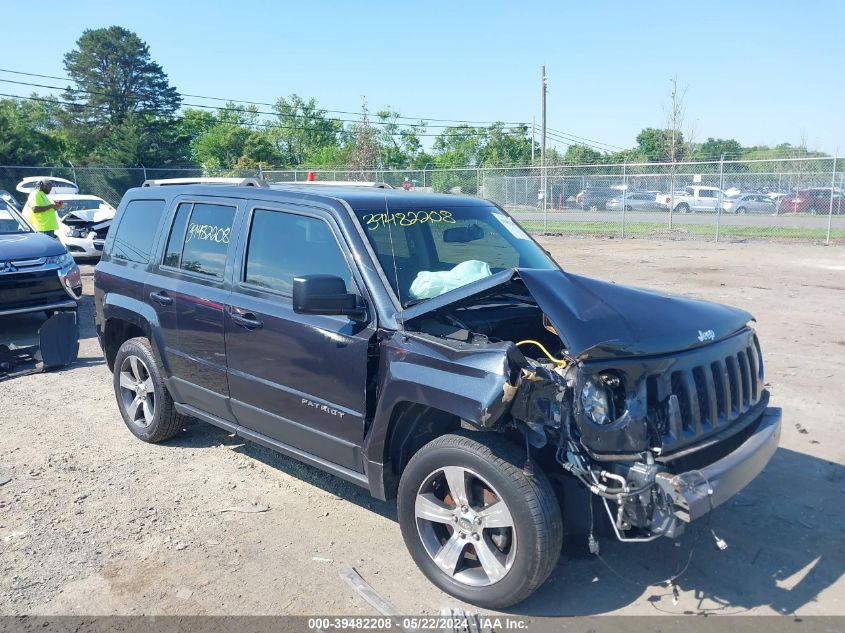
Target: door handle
[[162, 298], [247, 320]]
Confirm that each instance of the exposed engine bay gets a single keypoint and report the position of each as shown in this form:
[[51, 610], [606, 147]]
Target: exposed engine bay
[[636, 432]]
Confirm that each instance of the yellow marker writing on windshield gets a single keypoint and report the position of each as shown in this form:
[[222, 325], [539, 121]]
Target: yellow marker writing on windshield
[[407, 218]]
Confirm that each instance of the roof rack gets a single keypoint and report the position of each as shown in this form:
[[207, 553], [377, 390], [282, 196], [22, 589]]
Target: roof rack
[[336, 183], [235, 182]]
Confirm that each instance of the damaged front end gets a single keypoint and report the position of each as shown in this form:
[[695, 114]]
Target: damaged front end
[[660, 420]]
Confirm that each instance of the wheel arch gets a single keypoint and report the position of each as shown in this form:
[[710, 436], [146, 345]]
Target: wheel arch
[[125, 318]]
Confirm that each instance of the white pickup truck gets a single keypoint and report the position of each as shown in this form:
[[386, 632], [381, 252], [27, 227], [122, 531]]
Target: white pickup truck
[[694, 198]]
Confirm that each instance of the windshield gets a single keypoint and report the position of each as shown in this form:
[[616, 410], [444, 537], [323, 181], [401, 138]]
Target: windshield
[[437, 250], [10, 221], [83, 204]]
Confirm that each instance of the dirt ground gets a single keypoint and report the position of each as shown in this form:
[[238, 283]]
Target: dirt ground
[[92, 521]]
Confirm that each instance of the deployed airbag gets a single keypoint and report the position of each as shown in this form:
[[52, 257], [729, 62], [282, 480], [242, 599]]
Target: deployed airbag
[[429, 284]]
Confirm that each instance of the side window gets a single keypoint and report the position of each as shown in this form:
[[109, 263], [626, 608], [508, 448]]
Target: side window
[[285, 245], [133, 239], [173, 252], [199, 238]]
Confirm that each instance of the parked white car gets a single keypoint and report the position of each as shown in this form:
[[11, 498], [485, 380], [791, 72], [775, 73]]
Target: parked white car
[[84, 220]]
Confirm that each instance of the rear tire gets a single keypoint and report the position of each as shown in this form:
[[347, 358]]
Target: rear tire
[[475, 523], [741, 211], [142, 397], [682, 208]]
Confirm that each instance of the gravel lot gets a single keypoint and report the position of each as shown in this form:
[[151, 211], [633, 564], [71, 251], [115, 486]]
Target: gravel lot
[[93, 521]]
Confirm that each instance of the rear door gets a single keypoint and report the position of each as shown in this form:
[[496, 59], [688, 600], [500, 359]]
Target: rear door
[[706, 200], [189, 292], [298, 379]]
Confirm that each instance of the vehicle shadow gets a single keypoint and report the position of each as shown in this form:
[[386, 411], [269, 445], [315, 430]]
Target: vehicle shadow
[[784, 534], [201, 435]]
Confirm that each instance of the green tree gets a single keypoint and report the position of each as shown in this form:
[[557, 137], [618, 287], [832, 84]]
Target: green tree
[[115, 76], [400, 146], [655, 145], [234, 138], [303, 130], [582, 155], [505, 147], [715, 148], [458, 146], [29, 134]]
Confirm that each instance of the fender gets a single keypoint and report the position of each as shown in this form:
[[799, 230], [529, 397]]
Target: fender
[[136, 312], [468, 381]]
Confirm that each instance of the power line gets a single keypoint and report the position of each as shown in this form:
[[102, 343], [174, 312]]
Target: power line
[[580, 140], [277, 114], [261, 124], [264, 103], [510, 124]]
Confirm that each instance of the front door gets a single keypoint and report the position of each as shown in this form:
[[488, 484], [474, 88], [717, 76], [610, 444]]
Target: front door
[[298, 379]]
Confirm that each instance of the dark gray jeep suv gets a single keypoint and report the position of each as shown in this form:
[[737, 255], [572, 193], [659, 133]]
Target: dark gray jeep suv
[[426, 348]]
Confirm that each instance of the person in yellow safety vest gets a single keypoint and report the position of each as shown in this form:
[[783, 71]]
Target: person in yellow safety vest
[[42, 210]]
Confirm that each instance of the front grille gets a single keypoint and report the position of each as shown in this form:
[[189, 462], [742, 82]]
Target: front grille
[[30, 288], [706, 391]]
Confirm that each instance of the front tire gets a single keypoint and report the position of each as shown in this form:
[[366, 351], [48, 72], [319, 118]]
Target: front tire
[[142, 397], [476, 523]]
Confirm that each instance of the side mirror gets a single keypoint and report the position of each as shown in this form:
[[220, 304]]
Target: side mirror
[[325, 294]]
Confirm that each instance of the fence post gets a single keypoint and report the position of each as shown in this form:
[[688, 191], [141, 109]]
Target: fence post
[[624, 194], [545, 206], [671, 194], [832, 187], [721, 184]]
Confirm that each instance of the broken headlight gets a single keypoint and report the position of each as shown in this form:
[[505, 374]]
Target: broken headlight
[[602, 398]]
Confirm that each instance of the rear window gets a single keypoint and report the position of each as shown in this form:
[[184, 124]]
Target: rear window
[[133, 238]]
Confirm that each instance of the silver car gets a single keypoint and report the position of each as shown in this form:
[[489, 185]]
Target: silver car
[[749, 203], [634, 201]]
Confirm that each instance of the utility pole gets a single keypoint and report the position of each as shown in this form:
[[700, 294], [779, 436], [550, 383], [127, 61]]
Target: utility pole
[[543, 85], [533, 126]]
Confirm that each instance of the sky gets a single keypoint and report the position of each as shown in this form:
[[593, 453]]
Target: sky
[[762, 72]]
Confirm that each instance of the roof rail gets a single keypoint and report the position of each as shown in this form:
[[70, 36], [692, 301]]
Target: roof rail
[[235, 182], [337, 183]]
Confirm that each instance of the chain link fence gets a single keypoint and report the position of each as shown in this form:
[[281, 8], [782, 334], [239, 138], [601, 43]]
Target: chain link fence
[[786, 199]]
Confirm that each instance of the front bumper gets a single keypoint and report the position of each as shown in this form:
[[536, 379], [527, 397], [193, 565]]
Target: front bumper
[[695, 493], [52, 306], [82, 246]]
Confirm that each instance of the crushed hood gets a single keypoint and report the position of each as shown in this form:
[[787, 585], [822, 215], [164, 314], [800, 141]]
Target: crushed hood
[[598, 319], [88, 215], [602, 319]]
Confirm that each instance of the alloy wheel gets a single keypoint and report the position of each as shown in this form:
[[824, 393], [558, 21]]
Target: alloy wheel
[[465, 526], [137, 392]]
